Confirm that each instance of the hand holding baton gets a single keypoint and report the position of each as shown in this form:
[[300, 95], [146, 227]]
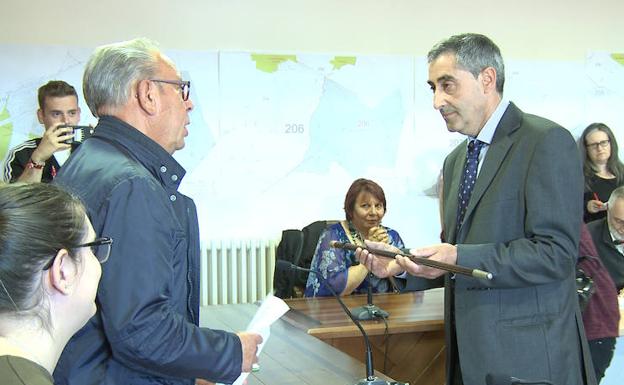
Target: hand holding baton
[[476, 273]]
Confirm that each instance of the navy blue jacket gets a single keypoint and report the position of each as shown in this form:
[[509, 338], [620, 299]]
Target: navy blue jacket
[[145, 330]]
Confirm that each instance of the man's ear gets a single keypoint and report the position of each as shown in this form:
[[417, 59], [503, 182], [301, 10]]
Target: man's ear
[[63, 273], [147, 96], [488, 79], [40, 115]]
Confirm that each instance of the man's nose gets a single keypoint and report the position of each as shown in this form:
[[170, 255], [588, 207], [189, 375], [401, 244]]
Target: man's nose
[[438, 100], [189, 104]]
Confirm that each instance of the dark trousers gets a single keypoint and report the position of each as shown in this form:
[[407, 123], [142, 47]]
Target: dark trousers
[[601, 352], [453, 364], [455, 373]]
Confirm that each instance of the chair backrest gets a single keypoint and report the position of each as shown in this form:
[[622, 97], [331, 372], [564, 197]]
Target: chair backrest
[[297, 247], [289, 249]]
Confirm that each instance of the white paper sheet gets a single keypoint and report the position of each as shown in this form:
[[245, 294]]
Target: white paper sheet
[[271, 309]]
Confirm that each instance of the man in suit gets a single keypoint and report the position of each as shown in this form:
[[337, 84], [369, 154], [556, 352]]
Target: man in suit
[[511, 206], [608, 233]]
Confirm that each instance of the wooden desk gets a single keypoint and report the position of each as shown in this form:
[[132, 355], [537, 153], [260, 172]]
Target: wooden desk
[[290, 357], [415, 332]]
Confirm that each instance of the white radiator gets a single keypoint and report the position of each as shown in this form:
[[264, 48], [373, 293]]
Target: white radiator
[[236, 271]]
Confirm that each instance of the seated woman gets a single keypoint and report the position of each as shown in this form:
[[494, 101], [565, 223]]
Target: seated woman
[[49, 276], [602, 168], [365, 206]]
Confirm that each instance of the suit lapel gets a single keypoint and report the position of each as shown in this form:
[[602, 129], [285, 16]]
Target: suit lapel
[[452, 192], [493, 160], [497, 150]]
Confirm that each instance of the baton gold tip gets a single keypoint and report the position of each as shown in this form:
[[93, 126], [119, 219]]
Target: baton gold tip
[[482, 274]]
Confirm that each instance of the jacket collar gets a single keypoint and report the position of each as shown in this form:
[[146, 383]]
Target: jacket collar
[[147, 152], [606, 235]]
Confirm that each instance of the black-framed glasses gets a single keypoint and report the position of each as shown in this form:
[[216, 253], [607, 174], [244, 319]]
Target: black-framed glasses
[[100, 247], [185, 86], [601, 144]]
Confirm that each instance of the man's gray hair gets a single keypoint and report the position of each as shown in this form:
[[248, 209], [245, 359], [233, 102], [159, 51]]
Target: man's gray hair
[[616, 194], [473, 53], [112, 69]]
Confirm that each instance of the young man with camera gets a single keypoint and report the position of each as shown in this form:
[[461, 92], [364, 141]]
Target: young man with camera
[[39, 159]]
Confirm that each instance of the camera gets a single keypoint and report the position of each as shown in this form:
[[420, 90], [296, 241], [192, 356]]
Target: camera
[[80, 133]]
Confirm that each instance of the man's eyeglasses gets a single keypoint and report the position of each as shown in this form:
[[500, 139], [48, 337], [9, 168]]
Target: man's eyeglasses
[[100, 247], [601, 144], [185, 86]]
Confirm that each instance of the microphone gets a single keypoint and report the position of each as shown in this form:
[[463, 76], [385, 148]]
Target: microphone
[[369, 311], [476, 273], [370, 375], [503, 379]]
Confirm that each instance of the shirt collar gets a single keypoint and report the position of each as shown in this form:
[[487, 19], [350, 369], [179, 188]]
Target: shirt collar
[[487, 132], [614, 235]]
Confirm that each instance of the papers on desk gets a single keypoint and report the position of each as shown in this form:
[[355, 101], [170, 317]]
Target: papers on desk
[[271, 309]]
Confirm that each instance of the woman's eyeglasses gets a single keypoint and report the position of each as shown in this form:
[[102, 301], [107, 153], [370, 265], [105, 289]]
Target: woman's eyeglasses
[[100, 247], [601, 144]]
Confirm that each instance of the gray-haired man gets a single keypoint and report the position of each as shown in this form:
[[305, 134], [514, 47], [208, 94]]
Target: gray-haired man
[[145, 330], [608, 236]]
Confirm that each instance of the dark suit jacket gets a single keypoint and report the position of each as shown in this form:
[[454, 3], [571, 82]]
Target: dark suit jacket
[[522, 224], [611, 258]]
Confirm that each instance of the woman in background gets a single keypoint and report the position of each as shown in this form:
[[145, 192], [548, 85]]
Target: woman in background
[[48, 278], [365, 206], [602, 168]]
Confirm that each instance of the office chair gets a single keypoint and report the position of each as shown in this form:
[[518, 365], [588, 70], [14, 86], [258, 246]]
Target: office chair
[[297, 247]]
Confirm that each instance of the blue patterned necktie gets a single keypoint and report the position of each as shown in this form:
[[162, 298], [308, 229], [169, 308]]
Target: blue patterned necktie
[[469, 178]]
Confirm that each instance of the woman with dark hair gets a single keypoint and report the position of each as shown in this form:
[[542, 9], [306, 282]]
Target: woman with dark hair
[[49, 274], [365, 206], [602, 168]]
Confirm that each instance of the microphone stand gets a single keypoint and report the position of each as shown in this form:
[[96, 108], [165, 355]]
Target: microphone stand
[[370, 374], [369, 311]]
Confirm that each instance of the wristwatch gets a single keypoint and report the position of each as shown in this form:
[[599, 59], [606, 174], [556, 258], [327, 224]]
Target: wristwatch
[[32, 164]]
